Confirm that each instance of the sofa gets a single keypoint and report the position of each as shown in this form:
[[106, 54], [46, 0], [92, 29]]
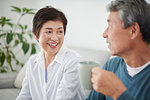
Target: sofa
[[11, 83]]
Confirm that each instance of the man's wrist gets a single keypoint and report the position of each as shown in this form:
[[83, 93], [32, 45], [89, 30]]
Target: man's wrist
[[118, 93]]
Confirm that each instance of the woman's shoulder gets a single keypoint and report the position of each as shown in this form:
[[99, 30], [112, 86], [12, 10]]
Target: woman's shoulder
[[69, 56], [35, 57], [73, 53]]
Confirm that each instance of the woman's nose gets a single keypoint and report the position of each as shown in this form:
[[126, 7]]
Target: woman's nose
[[54, 37]]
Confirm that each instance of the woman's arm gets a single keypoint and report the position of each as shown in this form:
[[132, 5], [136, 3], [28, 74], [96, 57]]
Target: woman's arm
[[25, 92], [70, 84]]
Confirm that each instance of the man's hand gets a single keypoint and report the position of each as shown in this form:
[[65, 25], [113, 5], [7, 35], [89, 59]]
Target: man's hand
[[107, 83]]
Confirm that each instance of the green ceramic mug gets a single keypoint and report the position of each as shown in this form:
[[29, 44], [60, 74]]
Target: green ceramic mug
[[85, 73]]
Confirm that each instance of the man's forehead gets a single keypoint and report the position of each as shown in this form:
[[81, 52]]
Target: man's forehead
[[114, 18]]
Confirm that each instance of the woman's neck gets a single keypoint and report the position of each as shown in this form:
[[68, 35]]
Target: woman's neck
[[48, 59]]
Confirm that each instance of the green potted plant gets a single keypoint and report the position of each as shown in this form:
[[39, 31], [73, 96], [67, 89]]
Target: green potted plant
[[12, 36]]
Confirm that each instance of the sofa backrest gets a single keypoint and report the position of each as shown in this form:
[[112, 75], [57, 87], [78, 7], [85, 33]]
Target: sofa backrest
[[100, 56]]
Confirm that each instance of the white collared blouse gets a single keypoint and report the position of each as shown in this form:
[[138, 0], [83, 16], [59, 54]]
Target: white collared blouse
[[62, 78]]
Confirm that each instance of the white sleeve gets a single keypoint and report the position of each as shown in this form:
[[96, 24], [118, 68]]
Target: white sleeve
[[70, 84], [25, 91]]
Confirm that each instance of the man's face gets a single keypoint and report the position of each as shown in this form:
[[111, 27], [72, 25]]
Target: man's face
[[117, 37], [51, 37]]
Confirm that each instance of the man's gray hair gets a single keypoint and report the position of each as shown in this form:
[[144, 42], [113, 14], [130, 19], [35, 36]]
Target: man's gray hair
[[131, 11]]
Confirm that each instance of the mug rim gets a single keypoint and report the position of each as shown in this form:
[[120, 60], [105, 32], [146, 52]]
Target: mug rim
[[89, 63]]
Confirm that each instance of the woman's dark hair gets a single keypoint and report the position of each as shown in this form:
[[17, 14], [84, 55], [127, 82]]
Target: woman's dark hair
[[47, 14]]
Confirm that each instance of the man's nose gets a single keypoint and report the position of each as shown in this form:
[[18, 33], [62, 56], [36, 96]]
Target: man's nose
[[105, 34]]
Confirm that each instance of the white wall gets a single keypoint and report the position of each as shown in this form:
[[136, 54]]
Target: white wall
[[86, 19]]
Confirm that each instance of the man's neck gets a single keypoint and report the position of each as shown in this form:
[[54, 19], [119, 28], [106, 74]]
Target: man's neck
[[138, 57]]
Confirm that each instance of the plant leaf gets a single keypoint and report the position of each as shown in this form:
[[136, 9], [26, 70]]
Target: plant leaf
[[21, 26], [25, 47], [16, 9], [10, 24], [25, 27], [21, 64], [30, 35], [20, 37], [9, 38], [8, 59], [17, 62], [24, 10], [28, 11], [33, 50], [16, 42], [32, 13], [13, 55], [1, 35], [3, 70], [4, 20], [2, 58]]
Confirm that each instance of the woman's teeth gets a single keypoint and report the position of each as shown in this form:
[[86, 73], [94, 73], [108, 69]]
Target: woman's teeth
[[53, 44]]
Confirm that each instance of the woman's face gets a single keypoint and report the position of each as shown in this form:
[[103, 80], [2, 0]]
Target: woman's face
[[51, 37]]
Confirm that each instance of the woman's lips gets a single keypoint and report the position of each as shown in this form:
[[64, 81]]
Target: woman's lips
[[53, 45]]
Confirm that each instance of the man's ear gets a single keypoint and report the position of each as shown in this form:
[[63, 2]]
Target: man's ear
[[134, 30]]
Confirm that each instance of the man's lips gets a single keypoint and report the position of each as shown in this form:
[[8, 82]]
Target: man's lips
[[108, 44]]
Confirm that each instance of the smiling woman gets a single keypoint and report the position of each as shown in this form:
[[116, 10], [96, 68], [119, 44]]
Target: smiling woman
[[51, 38], [52, 73]]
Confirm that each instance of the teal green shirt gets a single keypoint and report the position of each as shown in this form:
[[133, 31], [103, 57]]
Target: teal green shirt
[[138, 87]]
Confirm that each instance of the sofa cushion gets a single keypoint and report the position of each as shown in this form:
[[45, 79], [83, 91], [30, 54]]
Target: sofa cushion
[[9, 94], [20, 77], [7, 79]]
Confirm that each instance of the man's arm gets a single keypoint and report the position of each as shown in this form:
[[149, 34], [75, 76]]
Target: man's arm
[[107, 83], [95, 96]]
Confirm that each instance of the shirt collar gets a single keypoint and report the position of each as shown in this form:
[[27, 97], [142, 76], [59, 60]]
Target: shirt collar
[[58, 58], [39, 57], [61, 54]]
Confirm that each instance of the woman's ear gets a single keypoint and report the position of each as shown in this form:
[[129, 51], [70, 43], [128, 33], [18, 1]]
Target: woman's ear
[[35, 37], [134, 30]]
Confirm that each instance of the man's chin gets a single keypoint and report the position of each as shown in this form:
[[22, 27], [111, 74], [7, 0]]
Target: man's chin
[[113, 53]]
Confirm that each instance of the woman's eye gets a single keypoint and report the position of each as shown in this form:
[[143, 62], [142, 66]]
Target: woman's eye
[[48, 32], [60, 32]]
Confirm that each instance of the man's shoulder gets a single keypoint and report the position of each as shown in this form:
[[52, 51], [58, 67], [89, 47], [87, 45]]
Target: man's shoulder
[[115, 59], [114, 63]]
